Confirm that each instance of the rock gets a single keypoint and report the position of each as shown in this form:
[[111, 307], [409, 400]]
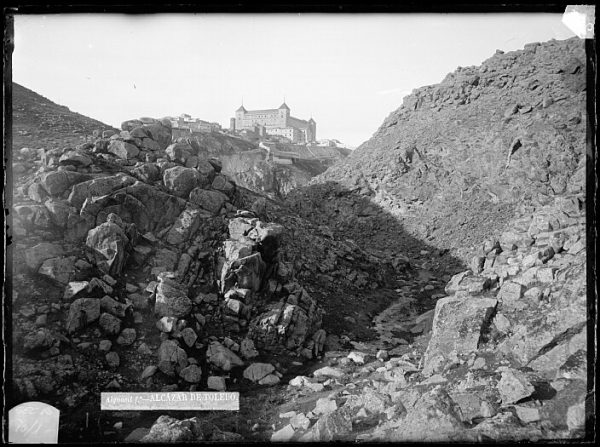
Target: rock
[[471, 405], [556, 410], [82, 312], [576, 416], [300, 422], [211, 201], [136, 435], [330, 427], [171, 299], [170, 430], [166, 324], [549, 362], [59, 212], [257, 371], [57, 182], [97, 187], [40, 339], [171, 357], [122, 149], [457, 326], [239, 227], [58, 269], [510, 292], [144, 349], [325, 405], [247, 349], [110, 324], [575, 367], [74, 288], [126, 337], [112, 306], [149, 371], [284, 434], [179, 152], [180, 181], [382, 355], [222, 184], [191, 374], [216, 383], [207, 173], [360, 358], [514, 386], [502, 323], [221, 357], [527, 414], [434, 410], [75, 158], [36, 255], [269, 379], [139, 301], [189, 336], [112, 359], [109, 247], [328, 371], [246, 273], [104, 345], [186, 224]]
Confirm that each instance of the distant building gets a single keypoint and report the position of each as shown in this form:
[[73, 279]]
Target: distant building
[[276, 122], [185, 121]]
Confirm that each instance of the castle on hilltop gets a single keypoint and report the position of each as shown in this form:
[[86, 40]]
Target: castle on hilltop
[[275, 122]]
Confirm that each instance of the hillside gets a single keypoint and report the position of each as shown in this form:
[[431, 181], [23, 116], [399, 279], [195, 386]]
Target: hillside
[[458, 159], [40, 123]]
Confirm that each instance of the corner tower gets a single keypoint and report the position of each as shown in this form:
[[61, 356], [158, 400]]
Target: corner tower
[[283, 113]]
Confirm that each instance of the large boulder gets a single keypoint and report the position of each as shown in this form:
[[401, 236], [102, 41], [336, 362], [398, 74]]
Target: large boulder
[[58, 269], [59, 211], [434, 417], [171, 358], [180, 152], [211, 201], [258, 371], [75, 158], [457, 325], [57, 182], [109, 246], [186, 224], [221, 357], [167, 430], [180, 181], [82, 312], [207, 173], [245, 273], [160, 132], [171, 299], [123, 149], [289, 325], [97, 187]]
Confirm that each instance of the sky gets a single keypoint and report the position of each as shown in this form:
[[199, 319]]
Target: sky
[[346, 71]]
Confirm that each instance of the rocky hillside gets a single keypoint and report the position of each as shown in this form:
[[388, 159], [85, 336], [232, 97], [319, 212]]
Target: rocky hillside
[[139, 265], [431, 287], [459, 159], [40, 123], [249, 165]]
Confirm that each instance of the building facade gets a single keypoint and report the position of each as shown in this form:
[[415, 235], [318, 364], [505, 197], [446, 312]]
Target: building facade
[[185, 121], [276, 122]]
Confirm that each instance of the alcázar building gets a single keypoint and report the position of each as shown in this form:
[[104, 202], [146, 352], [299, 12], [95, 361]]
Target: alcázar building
[[275, 122]]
